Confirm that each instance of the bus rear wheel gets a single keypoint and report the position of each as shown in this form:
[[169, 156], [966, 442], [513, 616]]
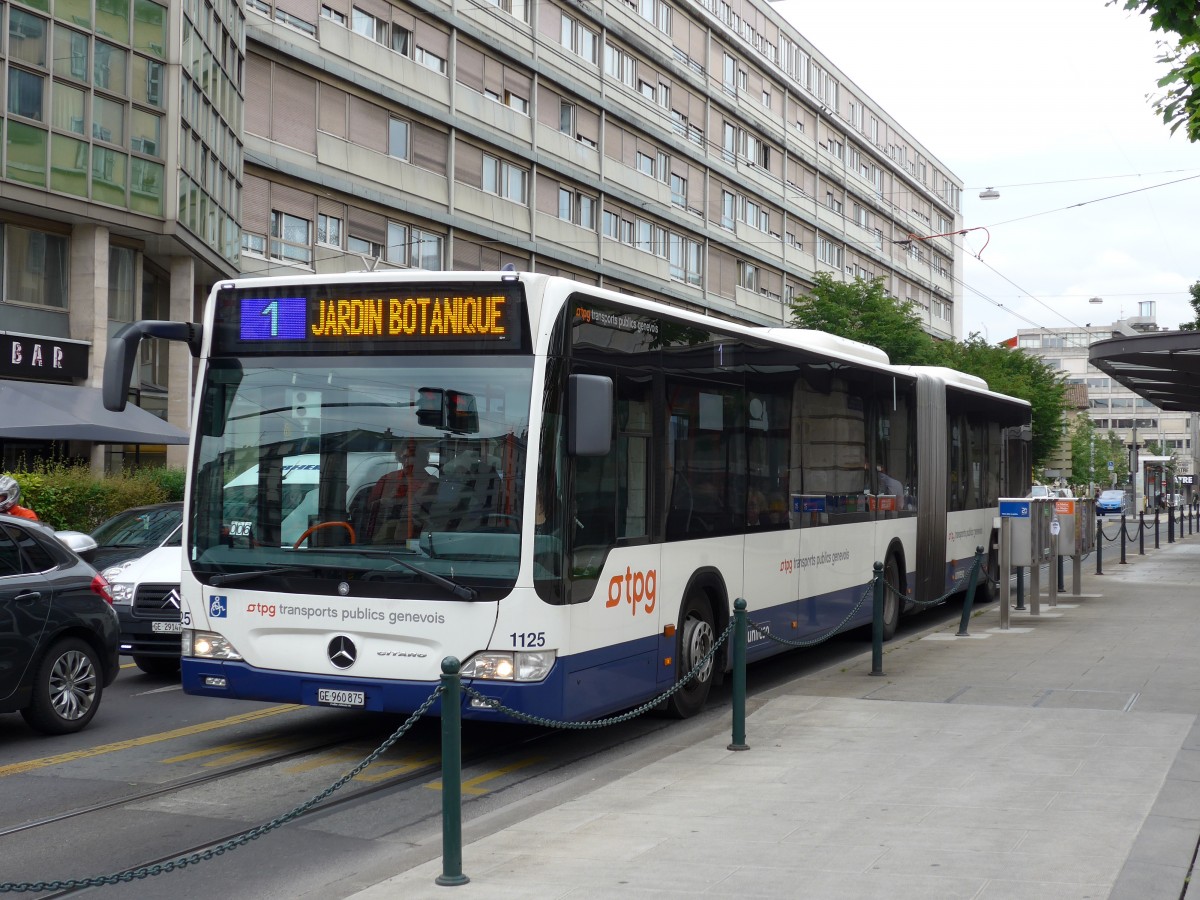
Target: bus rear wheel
[[696, 637], [891, 597]]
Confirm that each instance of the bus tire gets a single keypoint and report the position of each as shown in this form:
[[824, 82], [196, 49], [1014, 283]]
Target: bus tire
[[696, 636], [892, 598]]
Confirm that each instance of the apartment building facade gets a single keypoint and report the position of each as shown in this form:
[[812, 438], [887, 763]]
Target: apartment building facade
[[701, 153], [1110, 405]]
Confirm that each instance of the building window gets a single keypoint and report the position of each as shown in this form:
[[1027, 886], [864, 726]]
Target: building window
[[364, 247], [291, 238], [504, 179], [728, 142], [414, 248], [728, 209], [430, 60], [576, 208], [620, 65], [678, 190], [514, 101], [748, 276], [25, 92], [829, 252], [398, 138], [328, 12], [329, 231], [362, 22], [579, 39], [645, 164], [35, 270], [254, 244]]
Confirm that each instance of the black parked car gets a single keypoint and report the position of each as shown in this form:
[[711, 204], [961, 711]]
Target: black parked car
[[134, 532], [58, 630]]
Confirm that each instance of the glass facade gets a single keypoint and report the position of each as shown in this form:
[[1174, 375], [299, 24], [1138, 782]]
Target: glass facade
[[210, 148], [76, 120]]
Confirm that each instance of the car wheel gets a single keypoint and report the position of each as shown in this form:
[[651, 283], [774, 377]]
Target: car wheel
[[66, 689], [158, 665]]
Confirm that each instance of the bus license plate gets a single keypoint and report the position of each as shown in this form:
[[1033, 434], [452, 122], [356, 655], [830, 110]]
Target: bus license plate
[[331, 697], [166, 627]]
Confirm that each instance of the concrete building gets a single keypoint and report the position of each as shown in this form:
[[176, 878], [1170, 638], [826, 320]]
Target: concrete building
[[119, 200], [1111, 405], [702, 153]]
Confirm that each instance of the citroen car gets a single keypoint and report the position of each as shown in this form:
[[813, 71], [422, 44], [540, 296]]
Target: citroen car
[[145, 595], [58, 630], [131, 533]]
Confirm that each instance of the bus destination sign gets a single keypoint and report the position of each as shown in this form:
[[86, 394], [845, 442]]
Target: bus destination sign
[[342, 318], [435, 316]]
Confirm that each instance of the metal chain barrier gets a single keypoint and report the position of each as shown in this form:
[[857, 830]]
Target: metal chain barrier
[[954, 589], [233, 843], [495, 704]]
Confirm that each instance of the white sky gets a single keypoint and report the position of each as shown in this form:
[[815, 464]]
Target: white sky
[[1046, 101]]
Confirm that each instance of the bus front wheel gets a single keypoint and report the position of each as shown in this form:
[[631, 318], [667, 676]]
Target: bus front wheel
[[696, 638]]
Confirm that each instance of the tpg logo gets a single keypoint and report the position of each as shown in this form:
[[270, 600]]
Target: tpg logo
[[634, 588]]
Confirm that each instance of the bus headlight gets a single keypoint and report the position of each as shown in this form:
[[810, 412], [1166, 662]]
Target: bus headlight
[[208, 645], [510, 666]]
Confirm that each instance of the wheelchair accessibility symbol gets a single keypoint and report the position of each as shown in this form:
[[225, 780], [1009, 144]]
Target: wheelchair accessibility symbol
[[218, 606]]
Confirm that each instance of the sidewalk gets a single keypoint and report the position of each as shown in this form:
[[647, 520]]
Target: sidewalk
[[1060, 759]]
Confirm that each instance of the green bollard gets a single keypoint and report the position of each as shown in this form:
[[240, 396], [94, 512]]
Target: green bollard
[[739, 676], [970, 598], [878, 587], [451, 776]]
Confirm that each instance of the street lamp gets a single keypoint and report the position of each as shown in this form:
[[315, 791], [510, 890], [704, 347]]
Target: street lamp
[[989, 194]]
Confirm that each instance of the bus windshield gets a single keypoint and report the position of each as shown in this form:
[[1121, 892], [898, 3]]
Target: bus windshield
[[358, 474]]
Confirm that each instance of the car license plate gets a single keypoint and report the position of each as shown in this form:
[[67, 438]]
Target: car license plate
[[166, 627], [332, 697]]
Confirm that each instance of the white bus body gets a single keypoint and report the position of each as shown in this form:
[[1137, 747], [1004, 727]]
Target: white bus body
[[456, 501]]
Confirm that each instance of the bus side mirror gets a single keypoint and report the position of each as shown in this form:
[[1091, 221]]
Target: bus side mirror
[[590, 400]]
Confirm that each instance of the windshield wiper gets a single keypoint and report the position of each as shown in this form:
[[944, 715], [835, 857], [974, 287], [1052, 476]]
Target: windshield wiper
[[233, 577], [458, 590]]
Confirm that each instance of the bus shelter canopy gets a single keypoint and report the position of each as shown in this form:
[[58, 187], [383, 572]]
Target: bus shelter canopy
[[1163, 367], [35, 411]]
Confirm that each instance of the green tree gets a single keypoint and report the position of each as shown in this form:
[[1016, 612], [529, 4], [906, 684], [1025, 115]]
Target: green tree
[[864, 311], [1179, 106], [1193, 325], [1091, 453]]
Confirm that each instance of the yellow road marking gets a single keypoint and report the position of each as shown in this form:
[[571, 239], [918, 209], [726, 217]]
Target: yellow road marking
[[472, 785], [380, 770], [240, 750], [47, 761]]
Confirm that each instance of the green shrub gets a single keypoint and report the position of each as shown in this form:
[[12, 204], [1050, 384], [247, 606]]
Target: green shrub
[[68, 496]]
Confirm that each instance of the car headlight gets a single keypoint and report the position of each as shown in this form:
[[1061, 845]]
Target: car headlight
[[122, 592], [208, 645], [509, 665]]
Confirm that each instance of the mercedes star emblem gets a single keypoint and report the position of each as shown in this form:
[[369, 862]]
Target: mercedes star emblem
[[342, 652]]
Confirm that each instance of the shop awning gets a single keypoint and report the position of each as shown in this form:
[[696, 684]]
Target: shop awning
[[34, 411]]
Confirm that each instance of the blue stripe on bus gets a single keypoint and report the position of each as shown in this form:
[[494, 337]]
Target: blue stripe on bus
[[580, 687]]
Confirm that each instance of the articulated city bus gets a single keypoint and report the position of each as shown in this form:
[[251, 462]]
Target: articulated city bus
[[563, 487]]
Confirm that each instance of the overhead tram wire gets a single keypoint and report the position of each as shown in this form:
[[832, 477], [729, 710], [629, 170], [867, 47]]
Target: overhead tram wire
[[1047, 212]]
